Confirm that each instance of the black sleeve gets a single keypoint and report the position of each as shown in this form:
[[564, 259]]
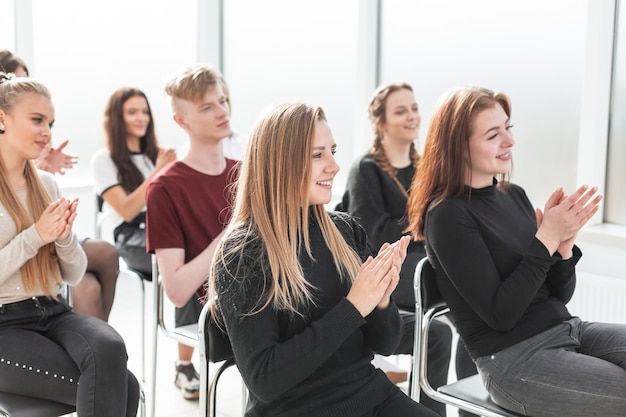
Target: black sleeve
[[366, 191], [467, 261], [562, 277]]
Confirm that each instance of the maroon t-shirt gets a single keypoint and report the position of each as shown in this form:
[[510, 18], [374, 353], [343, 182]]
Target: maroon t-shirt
[[187, 209]]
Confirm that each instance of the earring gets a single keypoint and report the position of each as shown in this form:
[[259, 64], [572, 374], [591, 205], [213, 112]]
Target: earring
[[1, 129]]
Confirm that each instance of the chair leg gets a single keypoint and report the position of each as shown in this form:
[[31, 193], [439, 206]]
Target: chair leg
[[155, 337], [143, 329], [213, 387], [142, 401]]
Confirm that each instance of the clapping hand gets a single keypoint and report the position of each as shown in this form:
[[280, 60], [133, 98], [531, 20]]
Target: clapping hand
[[164, 157], [55, 223], [55, 160], [563, 217], [378, 277]]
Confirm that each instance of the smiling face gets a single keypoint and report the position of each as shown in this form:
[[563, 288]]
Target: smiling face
[[323, 165], [27, 126], [402, 117], [490, 146], [136, 117]]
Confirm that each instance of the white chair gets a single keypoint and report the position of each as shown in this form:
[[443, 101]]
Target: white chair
[[467, 394]]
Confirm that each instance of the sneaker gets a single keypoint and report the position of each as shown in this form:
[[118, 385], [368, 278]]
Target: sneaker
[[188, 381]]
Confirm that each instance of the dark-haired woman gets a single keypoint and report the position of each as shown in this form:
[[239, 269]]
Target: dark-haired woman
[[123, 170]]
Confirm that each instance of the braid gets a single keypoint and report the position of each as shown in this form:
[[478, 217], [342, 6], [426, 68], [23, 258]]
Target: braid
[[378, 153], [377, 117]]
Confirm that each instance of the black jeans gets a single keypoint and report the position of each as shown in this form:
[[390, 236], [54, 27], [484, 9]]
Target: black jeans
[[48, 351]]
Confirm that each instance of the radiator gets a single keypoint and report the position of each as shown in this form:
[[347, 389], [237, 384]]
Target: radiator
[[599, 298]]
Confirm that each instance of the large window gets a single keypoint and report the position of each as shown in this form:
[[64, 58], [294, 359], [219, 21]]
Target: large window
[[616, 169], [84, 51], [7, 28], [278, 51]]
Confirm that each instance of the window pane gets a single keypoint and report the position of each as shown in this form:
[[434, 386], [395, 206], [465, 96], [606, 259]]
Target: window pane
[[279, 51], [616, 171], [84, 51], [7, 29]]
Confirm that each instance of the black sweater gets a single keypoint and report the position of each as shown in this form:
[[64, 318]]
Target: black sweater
[[379, 205], [500, 282], [317, 364]]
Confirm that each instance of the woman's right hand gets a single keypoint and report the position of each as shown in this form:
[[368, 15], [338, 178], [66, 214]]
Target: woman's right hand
[[53, 221], [164, 157], [564, 216], [373, 279]]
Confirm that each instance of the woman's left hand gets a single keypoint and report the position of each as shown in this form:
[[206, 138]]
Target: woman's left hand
[[71, 216], [398, 259]]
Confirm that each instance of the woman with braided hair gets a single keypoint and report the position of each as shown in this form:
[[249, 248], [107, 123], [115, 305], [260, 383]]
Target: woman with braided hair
[[376, 194]]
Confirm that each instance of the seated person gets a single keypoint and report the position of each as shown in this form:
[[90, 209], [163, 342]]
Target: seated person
[[376, 195], [507, 270], [123, 170], [94, 294], [304, 302]]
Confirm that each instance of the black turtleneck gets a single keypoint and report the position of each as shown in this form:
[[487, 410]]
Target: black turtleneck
[[500, 282], [314, 364]]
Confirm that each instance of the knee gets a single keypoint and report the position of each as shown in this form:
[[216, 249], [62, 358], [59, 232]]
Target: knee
[[440, 338], [88, 291], [109, 254], [110, 346], [100, 252]]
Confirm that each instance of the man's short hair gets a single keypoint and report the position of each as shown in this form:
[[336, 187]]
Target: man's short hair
[[192, 83]]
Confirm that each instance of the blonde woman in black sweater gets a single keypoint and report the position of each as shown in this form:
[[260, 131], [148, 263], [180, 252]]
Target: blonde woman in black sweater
[[304, 303]]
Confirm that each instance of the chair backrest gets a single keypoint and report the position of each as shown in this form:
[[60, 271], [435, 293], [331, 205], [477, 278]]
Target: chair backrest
[[213, 346], [216, 341], [431, 296]]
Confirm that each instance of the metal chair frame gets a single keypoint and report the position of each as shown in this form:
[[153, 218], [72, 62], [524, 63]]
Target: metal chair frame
[[187, 335], [99, 221], [469, 393], [208, 390]]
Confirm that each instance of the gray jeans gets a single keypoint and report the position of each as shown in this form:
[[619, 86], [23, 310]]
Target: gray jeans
[[575, 369]]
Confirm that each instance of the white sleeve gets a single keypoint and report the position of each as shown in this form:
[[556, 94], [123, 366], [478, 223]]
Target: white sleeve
[[104, 171]]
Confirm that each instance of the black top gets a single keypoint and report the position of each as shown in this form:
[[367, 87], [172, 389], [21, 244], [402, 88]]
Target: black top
[[376, 201], [500, 282], [317, 363]]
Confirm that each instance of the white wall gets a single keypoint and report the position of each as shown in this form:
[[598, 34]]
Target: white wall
[[551, 57]]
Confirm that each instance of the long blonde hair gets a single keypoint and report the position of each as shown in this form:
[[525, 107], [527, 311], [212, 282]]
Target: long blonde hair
[[42, 270], [272, 207]]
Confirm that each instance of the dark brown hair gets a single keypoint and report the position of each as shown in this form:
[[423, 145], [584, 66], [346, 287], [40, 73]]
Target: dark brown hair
[[9, 62], [443, 167], [128, 174]]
